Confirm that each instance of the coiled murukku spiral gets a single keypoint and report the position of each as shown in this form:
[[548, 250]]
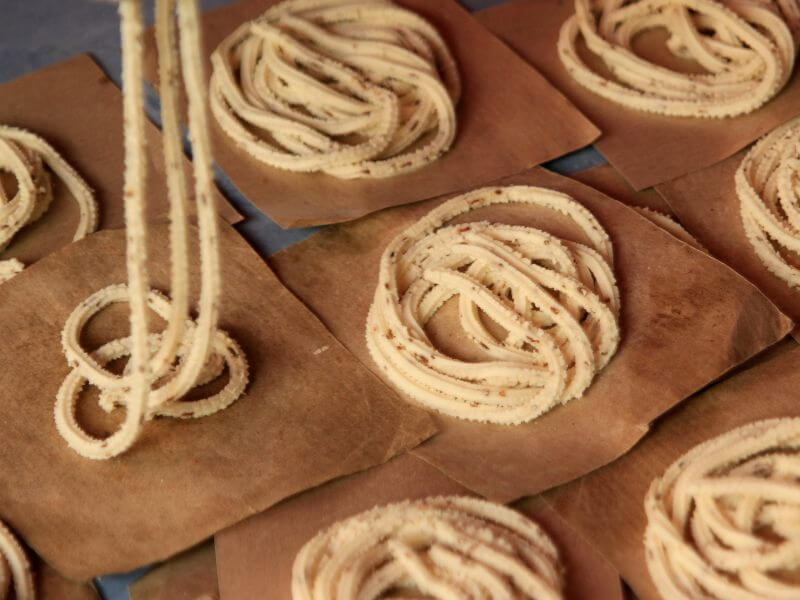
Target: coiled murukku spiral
[[163, 367], [746, 46], [354, 88], [557, 300], [451, 548], [768, 186], [15, 570], [25, 155], [723, 522]]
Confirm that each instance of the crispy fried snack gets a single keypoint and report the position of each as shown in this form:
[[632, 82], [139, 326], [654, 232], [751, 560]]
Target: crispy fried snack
[[25, 155], [353, 88], [14, 568], [445, 547], [163, 367], [768, 186], [556, 300], [667, 223], [746, 46], [722, 522]]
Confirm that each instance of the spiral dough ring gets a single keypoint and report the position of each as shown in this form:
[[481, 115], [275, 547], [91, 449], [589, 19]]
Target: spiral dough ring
[[353, 88], [723, 522], [452, 547], [25, 155], [14, 568], [768, 186], [746, 46], [557, 300], [162, 368]]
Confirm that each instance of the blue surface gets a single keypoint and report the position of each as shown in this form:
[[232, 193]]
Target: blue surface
[[37, 33]]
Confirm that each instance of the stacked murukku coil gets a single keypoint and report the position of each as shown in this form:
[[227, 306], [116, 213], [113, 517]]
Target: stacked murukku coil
[[557, 301], [768, 186], [27, 157], [746, 47], [353, 88], [162, 367], [668, 224], [722, 522], [15, 570], [448, 547]]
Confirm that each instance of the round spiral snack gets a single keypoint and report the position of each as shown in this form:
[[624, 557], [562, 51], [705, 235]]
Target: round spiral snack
[[164, 367], [768, 186], [556, 300], [747, 49], [353, 88], [25, 155], [15, 570], [449, 547], [722, 522]]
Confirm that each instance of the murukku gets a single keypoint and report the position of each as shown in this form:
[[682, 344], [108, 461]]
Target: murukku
[[352, 88], [447, 547], [162, 368], [556, 300], [747, 49], [723, 520], [30, 160], [15, 570], [668, 224], [768, 186]]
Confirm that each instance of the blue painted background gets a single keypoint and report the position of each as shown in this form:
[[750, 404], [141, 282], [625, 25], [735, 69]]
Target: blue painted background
[[36, 33]]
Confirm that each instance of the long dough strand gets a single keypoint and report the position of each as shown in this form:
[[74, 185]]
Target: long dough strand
[[162, 367]]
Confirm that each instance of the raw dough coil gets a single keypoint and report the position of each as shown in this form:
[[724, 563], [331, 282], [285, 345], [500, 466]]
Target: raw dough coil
[[163, 368], [452, 548], [15, 570], [25, 155], [353, 88], [768, 186], [748, 56], [557, 300], [722, 522]]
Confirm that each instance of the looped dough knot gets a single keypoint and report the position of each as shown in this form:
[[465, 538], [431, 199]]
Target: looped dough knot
[[556, 300], [444, 547], [722, 522]]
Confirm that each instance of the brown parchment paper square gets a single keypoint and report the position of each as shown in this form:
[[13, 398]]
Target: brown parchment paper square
[[707, 205], [678, 304], [607, 506], [509, 119], [77, 109], [310, 413], [187, 576], [646, 149], [255, 557], [608, 180]]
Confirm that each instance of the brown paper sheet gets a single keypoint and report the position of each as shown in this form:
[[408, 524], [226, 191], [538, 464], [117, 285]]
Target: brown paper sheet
[[608, 180], [78, 111], [50, 584], [509, 119], [677, 304], [707, 205], [311, 413], [187, 576], [255, 556], [607, 506], [646, 149]]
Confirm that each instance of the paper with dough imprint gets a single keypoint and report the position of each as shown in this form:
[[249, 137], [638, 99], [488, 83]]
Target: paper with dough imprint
[[188, 576], [310, 413], [707, 204], [647, 149], [508, 120], [255, 556], [85, 126], [677, 305], [607, 506]]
